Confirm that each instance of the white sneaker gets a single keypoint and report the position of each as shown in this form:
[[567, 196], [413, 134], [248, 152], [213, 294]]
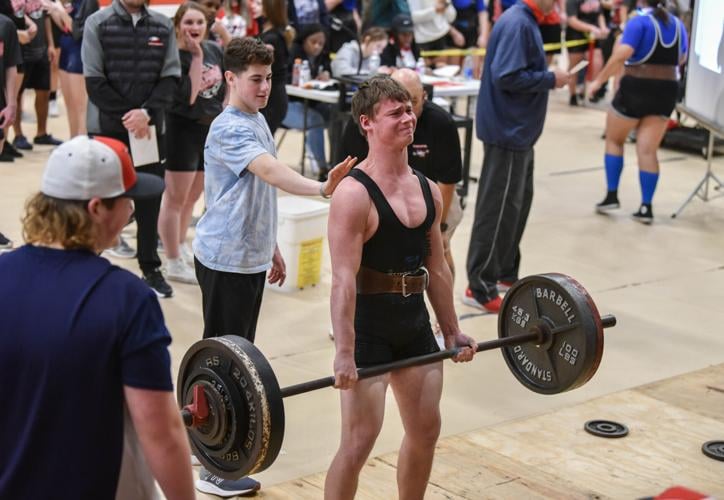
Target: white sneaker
[[122, 250], [186, 253], [178, 270], [53, 109]]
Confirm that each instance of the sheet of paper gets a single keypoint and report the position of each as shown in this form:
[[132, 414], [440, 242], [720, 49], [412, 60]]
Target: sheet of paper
[[144, 151], [578, 67]]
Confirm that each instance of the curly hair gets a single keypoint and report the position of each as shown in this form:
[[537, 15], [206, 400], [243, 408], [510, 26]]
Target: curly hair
[[49, 220], [243, 52]]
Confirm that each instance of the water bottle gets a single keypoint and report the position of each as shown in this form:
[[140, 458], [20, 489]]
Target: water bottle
[[296, 71], [374, 63], [468, 67], [420, 66], [305, 75]]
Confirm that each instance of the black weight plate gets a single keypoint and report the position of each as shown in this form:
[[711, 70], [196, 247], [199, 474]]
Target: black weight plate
[[559, 303], [714, 449], [245, 429], [606, 428]]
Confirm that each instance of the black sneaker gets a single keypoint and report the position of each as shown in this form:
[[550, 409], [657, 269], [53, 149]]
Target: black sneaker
[[20, 142], [573, 100], [211, 483], [5, 157], [47, 140], [158, 283], [645, 215], [8, 149], [5, 243], [610, 202]]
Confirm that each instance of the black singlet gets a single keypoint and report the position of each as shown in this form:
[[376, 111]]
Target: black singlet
[[389, 326]]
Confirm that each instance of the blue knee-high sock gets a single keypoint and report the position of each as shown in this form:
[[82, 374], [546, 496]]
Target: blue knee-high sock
[[648, 182], [614, 167]]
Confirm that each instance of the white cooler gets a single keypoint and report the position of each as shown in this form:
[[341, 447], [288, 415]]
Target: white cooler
[[300, 236]]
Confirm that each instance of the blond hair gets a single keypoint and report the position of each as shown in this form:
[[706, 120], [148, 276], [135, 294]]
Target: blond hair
[[49, 220]]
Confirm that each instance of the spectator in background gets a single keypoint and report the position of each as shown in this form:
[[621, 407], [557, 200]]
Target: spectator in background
[[197, 101], [217, 29], [235, 18], [550, 28], [279, 37], [402, 50], [36, 74], [652, 47], [126, 98], [255, 18], [71, 66], [511, 110], [585, 20], [25, 30], [8, 90], [349, 61], [496, 9], [301, 12], [380, 13], [432, 20], [309, 46], [471, 22], [347, 11]]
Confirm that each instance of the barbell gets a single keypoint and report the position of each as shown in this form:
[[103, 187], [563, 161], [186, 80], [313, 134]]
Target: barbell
[[549, 330]]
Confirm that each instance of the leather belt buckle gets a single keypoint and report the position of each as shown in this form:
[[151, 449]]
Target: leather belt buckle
[[403, 281]]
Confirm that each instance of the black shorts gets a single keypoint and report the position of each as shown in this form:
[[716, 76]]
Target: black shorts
[[231, 301], [390, 328], [639, 97], [573, 35], [36, 75], [466, 22], [551, 33], [185, 141], [439, 44]]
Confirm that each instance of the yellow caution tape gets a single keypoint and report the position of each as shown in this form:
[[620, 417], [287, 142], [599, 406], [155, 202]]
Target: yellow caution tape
[[548, 47]]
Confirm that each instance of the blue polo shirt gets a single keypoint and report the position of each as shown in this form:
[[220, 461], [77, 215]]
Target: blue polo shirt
[[514, 89], [75, 329]]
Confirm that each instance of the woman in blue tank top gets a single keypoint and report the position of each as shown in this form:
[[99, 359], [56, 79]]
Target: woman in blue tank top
[[652, 47]]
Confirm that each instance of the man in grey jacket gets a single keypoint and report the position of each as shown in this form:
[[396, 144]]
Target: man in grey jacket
[[131, 66]]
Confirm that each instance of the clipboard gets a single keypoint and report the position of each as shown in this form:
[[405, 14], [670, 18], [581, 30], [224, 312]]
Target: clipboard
[[144, 151]]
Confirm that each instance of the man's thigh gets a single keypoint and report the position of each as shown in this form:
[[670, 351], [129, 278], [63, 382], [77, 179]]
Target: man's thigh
[[418, 391], [363, 408]]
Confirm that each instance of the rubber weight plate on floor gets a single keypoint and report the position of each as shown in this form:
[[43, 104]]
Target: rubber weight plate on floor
[[605, 428], [558, 305], [245, 428], [714, 449]]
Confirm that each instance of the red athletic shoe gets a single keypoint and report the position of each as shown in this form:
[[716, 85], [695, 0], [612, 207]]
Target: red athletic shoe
[[490, 307]]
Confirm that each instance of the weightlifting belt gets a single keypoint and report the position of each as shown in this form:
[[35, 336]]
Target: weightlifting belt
[[652, 71], [370, 281]]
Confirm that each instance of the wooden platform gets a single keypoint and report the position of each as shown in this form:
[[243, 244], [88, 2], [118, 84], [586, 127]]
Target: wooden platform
[[551, 456]]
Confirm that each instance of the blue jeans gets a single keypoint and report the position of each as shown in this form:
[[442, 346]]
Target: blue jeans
[[315, 129]]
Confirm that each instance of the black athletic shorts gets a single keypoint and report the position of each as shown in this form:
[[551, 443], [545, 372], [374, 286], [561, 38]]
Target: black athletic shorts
[[390, 327], [36, 74], [573, 35], [551, 33], [439, 44], [185, 141], [639, 97]]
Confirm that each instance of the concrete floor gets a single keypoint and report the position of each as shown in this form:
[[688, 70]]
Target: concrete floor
[[665, 284]]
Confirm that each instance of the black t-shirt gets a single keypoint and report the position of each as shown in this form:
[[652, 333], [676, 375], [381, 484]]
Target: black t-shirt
[[9, 51], [210, 99], [585, 10], [37, 49], [439, 163]]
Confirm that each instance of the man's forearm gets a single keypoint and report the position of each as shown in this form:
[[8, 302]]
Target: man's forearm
[[281, 176], [342, 304]]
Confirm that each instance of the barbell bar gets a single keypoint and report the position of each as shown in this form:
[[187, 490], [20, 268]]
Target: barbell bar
[[549, 330]]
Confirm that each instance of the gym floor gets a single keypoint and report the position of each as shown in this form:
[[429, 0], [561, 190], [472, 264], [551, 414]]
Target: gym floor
[[664, 283]]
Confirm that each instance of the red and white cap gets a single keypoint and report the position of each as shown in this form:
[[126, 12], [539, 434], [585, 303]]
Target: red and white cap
[[89, 167]]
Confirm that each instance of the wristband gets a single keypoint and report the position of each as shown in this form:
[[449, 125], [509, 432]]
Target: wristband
[[322, 193]]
